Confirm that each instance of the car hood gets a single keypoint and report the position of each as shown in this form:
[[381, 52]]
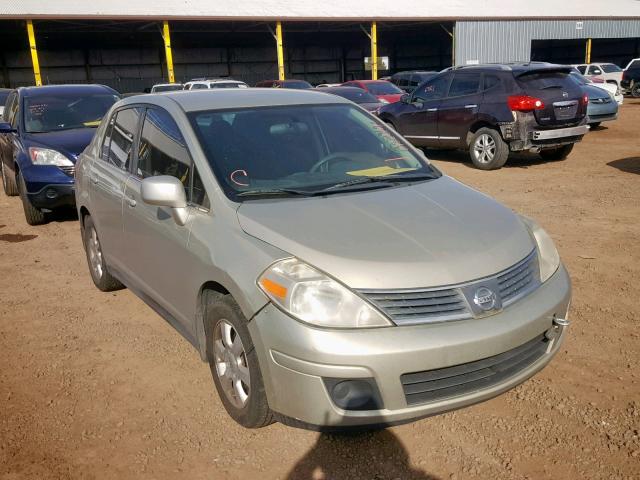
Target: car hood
[[70, 142], [430, 234]]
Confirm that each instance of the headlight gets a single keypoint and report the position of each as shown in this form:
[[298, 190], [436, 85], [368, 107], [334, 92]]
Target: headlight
[[45, 156], [312, 297], [548, 257]]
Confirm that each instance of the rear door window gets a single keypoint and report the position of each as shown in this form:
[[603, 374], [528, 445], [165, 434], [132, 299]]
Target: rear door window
[[117, 147], [464, 84], [594, 70]]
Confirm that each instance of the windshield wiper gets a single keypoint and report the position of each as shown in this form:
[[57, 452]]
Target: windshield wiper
[[273, 192], [382, 181], [357, 181]]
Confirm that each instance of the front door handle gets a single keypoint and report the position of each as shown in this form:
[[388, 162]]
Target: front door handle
[[471, 106], [94, 180], [131, 202], [432, 109]]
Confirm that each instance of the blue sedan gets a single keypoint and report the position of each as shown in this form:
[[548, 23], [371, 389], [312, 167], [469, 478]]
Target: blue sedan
[[42, 132]]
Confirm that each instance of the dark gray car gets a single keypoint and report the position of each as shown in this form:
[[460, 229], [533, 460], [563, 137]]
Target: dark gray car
[[330, 275]]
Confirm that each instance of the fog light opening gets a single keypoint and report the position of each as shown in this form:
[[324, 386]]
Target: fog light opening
[[354, 394]]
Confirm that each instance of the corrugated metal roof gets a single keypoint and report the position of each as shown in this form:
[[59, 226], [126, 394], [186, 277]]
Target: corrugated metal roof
[[320, 9]]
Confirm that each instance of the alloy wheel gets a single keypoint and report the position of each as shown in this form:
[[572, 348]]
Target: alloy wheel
[[484, 148], [231, 363], [95, 254]]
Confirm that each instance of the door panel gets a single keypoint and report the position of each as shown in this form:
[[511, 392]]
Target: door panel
[[158, 253], [460, 109], [107, 179]]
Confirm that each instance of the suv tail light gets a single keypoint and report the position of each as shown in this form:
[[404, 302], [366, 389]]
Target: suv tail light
[[524, 103]]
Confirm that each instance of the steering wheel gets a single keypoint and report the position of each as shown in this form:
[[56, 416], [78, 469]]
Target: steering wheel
[[322, 165]]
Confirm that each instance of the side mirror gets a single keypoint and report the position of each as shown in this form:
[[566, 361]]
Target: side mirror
[[6, 128], [405, 98], [166, 191]]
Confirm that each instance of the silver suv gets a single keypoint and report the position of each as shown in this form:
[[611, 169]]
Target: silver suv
[[328, 273]]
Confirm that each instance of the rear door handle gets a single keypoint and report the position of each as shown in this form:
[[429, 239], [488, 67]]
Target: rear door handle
[[471, 106], [432, 109]]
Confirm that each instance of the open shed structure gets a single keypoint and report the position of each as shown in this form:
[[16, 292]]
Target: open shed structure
[[132, 44]]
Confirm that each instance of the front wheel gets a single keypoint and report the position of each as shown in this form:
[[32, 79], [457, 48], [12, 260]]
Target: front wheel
[[559, 153], [487, 149], [32, 215], [8, 181], [234, 363]]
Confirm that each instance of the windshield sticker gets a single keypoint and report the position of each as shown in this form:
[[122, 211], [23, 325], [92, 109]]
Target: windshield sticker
[[378, 171]]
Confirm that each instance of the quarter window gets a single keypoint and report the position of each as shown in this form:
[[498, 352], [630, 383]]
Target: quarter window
[[117, 148], [464, 84], [491, 81]]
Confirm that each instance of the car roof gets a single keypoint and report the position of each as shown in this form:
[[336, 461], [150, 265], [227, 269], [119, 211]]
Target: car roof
[[221, 99], [62, 89], [515, 67]]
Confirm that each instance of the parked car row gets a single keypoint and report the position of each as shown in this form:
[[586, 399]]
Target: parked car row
[[330, 275]]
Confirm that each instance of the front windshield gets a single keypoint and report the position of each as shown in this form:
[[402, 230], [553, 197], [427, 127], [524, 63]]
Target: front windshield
[[308, 148], [383, 88], [610, 68], [356, 95], [50, 113]]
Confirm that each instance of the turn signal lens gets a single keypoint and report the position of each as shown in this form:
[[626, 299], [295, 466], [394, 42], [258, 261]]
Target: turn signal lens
[[312, 297], [524, 103]]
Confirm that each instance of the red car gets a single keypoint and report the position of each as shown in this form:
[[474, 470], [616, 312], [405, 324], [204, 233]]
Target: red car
[[385, 91]]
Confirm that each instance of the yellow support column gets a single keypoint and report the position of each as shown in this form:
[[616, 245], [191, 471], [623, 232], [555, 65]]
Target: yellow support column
[[34, 53], [167, 50], [280, 50], [374, 51], [587, 56]]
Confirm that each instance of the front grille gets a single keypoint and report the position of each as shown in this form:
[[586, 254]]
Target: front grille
[[431, 305], [600, 101], [409, 306], [518, 280], [466, 378], [71, 171]]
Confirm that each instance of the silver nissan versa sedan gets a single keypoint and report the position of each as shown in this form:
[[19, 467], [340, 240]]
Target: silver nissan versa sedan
[[328, 273]]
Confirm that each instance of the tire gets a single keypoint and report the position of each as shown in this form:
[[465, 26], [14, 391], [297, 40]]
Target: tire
[[635, 90], [240, 387], [390, 125], [487, 149], [559, 153], [33, 215], [9, 184], [98, 269], [594, 125]]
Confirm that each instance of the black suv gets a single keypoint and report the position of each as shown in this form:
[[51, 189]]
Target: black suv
[[631, 78], [494, 109]]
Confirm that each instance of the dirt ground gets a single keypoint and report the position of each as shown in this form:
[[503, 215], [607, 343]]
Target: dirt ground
[[96, 385]]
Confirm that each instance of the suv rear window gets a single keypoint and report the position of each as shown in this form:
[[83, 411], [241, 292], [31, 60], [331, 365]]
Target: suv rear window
[[542, 80]]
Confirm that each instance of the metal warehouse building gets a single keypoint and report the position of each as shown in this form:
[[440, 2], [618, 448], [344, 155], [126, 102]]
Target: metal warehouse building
[[132, 44]]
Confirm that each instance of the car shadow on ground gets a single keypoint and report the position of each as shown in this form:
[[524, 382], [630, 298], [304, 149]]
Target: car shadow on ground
[[516, 160], [629, 165], [365, 455], [63, 215]]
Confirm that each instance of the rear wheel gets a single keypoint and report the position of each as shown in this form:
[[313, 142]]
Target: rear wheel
[[8, 181], [487, 149], [97, 266], [559, 153], [234, 363], [33, 215], [635, 90]]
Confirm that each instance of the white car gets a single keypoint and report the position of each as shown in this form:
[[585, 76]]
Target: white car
[[609, 72], [203, 84]]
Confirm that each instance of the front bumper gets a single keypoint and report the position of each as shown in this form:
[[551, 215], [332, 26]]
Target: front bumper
[[53, 196], [295, 358]]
